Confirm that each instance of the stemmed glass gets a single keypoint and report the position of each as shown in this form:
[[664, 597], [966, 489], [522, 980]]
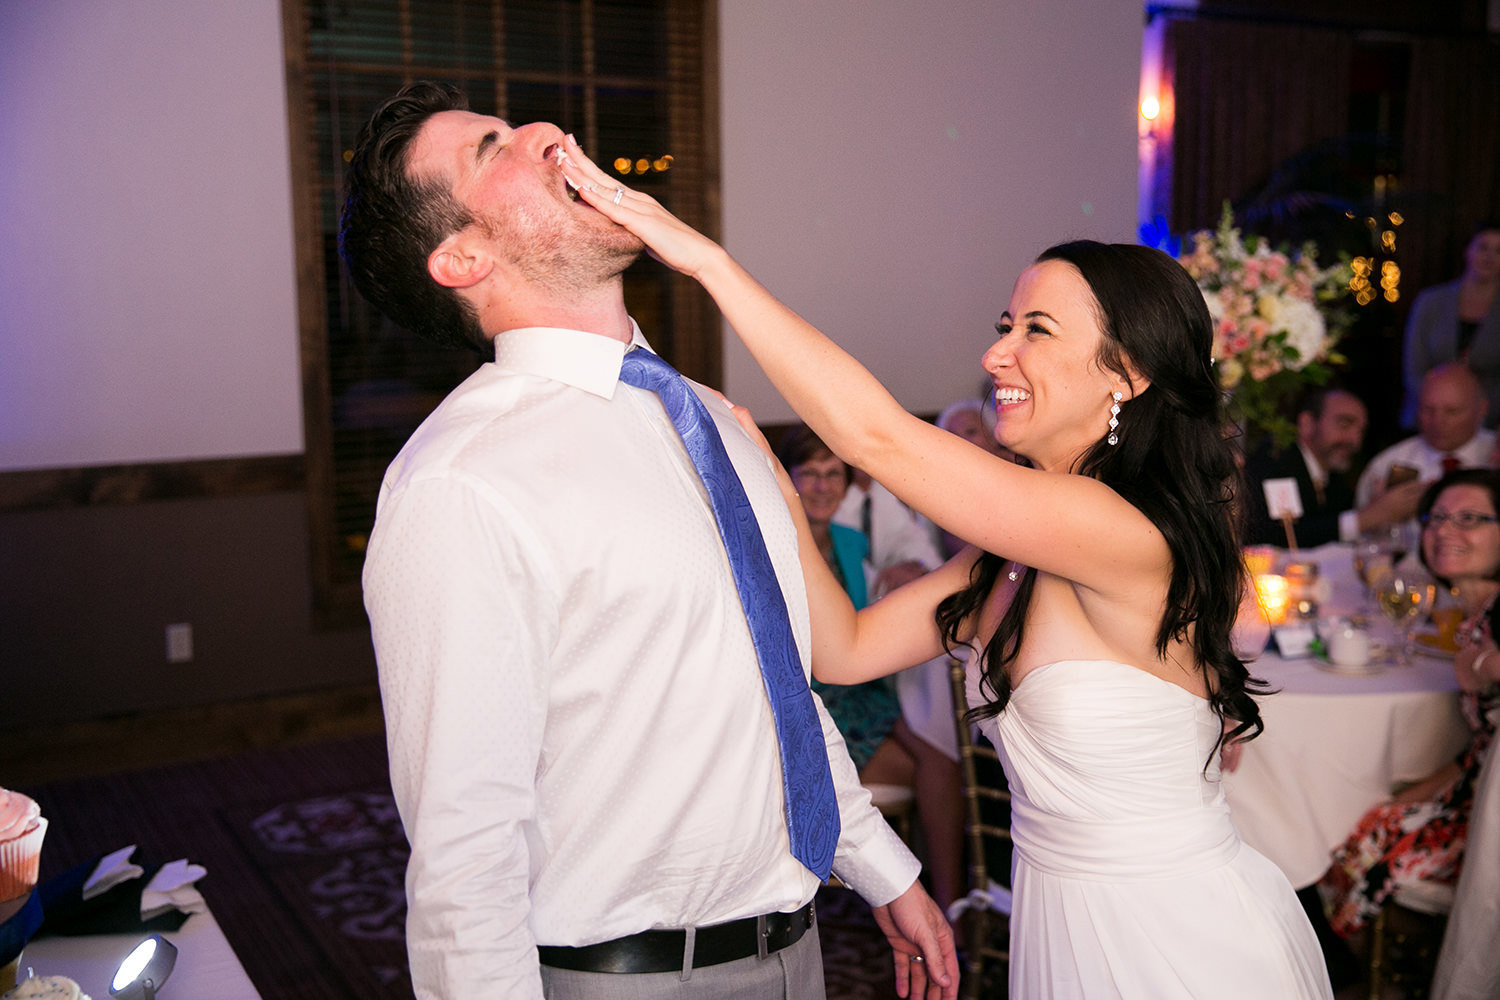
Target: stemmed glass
[[1403, 594], [1373, 559]]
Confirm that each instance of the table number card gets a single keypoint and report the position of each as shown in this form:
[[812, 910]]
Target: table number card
[[1283, 499]]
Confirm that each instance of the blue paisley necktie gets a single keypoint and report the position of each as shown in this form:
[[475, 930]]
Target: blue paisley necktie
[[812, 815]]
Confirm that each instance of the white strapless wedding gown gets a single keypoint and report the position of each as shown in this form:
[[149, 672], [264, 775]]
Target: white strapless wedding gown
[[1130, 880]]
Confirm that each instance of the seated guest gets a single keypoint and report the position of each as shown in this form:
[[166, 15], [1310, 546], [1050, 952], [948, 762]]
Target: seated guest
[[1459, 321], [966, 418], [1330, 431], [1466, 966], [901, 546], [881, 744], [1420, 834], [1450, 418]]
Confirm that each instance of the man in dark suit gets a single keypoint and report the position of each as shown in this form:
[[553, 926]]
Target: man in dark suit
[[1330, 431]]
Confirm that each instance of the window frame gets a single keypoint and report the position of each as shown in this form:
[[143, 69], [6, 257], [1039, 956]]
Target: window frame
[[693, 342]]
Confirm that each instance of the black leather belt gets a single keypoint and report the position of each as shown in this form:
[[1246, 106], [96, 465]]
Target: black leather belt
[[664, 951]]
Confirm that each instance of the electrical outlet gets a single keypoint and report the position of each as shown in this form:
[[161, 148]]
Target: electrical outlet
[[180, 643]]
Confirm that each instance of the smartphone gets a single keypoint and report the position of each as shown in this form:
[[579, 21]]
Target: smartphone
[[1399, 474]]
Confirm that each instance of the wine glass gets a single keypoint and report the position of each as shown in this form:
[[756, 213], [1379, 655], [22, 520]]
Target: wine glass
[[1404, 537], [1373, 559], [1403, 594]]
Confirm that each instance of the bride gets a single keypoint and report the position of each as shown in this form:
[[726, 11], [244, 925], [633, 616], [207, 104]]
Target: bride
[[1096, 600]]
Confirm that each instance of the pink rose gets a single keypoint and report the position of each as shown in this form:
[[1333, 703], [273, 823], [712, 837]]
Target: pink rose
[[1263, 368]]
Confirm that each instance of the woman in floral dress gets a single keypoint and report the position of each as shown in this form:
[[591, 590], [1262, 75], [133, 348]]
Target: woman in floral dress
[[1420, 835]]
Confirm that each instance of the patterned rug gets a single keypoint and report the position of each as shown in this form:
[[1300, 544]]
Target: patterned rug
[[306, 861], [339, 863]]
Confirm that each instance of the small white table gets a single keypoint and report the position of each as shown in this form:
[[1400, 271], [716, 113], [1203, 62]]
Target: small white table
[[1336, 743], [206, 965]]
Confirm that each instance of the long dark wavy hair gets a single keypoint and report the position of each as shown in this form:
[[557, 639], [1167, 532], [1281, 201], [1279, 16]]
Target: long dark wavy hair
[[1173, 463]]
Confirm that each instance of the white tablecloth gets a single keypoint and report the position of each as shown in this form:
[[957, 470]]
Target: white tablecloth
[[206, 965], [1335, 743]]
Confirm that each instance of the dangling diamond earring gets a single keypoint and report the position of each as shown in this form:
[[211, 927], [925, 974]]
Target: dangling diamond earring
[[1114, 418]]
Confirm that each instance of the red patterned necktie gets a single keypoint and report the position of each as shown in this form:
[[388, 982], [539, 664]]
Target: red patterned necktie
[[1451, 463]]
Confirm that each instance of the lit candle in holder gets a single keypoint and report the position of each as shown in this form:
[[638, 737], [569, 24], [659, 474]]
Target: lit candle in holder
[[1273, 594], [1259, 559]]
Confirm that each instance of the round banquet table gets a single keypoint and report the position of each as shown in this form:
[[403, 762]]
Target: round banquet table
[[1335, 743]]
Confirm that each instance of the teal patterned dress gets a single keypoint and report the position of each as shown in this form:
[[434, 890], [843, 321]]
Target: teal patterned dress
[[865, 713]]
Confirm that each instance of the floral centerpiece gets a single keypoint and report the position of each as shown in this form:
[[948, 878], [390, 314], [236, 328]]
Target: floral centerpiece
[[1277, 317]]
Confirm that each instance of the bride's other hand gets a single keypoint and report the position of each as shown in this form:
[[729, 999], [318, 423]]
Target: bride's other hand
[[667, 237], [783, 478]]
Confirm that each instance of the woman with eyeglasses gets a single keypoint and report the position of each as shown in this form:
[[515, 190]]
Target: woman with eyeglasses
[[1420, 834]]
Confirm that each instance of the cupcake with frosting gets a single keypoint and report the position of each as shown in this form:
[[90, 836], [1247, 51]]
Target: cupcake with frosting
[[46, 988], [22, 828]]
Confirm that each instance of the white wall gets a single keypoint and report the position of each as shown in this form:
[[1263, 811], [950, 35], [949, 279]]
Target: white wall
[[147, 306], [889, 166]]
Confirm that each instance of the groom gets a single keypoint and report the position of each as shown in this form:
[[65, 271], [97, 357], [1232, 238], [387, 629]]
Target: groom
[[582, 747]]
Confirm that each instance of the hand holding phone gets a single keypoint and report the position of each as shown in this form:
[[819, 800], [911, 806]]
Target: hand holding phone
[[1400, 474]]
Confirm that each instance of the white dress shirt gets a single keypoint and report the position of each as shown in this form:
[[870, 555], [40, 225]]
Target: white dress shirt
[[897, 535], [1427, 460], [580, 742]]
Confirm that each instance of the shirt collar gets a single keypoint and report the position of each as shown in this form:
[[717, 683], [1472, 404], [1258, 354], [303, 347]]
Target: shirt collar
[[583, 360], [1315, 470], [1471, 452]]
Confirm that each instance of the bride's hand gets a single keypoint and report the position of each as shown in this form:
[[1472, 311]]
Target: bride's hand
[[667, 237], [753, 431]]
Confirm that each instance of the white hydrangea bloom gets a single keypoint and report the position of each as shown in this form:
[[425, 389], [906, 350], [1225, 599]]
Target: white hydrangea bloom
[[1305, 330]]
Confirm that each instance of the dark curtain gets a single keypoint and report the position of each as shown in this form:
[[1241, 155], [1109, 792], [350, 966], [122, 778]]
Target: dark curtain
[[1451, 178], [1247, 98]]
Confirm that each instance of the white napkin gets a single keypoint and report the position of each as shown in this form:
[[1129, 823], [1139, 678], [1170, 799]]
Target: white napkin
[[171, 888], [111, 870]]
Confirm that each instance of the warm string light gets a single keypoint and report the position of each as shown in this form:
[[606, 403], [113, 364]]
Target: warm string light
[[1364, 284], [624, 165]]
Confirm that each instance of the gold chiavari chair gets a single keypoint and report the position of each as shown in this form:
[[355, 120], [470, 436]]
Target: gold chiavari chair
[[984, 915]]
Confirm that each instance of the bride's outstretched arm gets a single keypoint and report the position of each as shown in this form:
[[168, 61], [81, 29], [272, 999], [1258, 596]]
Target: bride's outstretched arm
[[1044, 520], [896, 632]]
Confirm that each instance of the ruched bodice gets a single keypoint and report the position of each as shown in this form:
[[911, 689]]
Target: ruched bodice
[[1130, 879]]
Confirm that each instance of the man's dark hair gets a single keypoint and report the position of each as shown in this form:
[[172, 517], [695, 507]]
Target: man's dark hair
[[391, 223], [1314, 397]]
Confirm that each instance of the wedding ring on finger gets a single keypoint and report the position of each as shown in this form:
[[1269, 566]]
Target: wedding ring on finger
[[619, 195], [918, 958]]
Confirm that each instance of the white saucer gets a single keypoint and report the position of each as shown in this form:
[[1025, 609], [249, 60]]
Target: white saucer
[[1436, 652], [1376, 665]]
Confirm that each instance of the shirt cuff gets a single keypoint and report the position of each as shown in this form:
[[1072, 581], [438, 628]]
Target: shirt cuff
[[880, 869], [1349, 526]]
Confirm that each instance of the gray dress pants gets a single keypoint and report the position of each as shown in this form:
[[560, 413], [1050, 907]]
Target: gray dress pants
[[794, 973]]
